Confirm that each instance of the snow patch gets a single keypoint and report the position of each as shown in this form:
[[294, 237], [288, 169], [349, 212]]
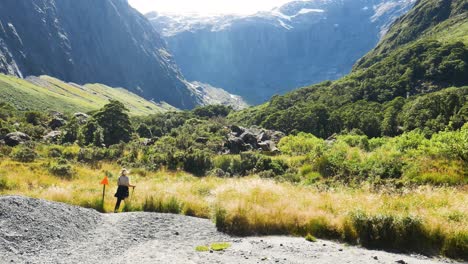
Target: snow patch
[[307, 10]]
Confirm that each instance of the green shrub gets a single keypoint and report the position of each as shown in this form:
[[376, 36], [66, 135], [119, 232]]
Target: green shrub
[[4, 183], [456, 246], [267, 174], [403, 233], [198, 162], [54, 152], [62, 168], [24, 154], [5, 150], [159, 205], [360, 141], [302, 144], [248, 162]]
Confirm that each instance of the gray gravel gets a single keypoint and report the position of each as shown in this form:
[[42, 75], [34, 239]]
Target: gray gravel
[[37, 231]]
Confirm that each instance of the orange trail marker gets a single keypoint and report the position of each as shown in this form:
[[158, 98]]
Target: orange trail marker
[[104, 182]]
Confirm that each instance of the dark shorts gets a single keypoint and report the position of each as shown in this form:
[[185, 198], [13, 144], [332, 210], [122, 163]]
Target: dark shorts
[[122, 192]]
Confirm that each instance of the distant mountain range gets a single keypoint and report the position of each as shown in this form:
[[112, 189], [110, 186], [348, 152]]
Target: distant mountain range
[[90, 41], [297, 44], [415, 78]]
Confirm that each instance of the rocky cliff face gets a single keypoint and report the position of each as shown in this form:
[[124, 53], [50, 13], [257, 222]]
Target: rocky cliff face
[[90, 41], [300, 43]]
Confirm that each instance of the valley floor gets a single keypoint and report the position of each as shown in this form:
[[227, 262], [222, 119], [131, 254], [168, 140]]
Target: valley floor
[[38, 231]]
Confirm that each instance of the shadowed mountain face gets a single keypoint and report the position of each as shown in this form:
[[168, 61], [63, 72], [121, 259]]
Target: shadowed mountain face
[[90, 41], [300, 43]]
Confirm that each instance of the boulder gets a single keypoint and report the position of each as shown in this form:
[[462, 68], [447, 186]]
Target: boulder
[[267, 146], [53, 136], [276, 136], [263, 136], [81, 115], [237, 130], [250, 138], [16, 138], [57, 122], [235, 145], [57, 114]]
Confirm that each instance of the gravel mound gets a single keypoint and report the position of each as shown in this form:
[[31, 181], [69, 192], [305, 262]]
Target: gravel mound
[[30, 225], [37, 231]]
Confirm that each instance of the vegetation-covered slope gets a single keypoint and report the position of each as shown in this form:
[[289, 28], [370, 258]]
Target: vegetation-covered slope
[[392, 80], [46, 93], [428, 19], [90, 41]]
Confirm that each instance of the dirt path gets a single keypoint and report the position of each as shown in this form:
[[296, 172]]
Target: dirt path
[[36, 231]]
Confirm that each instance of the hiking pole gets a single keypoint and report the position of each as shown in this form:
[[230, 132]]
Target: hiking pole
[[133, 190]]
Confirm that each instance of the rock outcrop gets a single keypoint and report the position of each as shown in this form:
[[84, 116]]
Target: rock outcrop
[[16, 138], [246, 139]]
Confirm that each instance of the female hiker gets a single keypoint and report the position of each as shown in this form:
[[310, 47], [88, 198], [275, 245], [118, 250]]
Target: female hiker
[[122, 191]]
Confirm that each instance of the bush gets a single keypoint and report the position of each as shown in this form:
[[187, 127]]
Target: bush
[[198, 162], [5, 150], [404, 233], [456, 246], [54, 152], [360, 141], [4, 183], [230, 164], [24, 154], [62, 168], [159, 205], [302, 144]]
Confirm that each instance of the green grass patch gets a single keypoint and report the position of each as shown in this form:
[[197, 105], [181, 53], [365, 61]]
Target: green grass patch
[[202, 248], [310, 238], [220, 246]]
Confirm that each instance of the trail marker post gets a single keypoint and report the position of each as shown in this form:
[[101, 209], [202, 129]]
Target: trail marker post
[[104, 182]]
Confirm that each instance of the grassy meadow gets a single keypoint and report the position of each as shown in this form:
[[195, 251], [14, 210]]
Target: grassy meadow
[[422, 218], [44, 93]]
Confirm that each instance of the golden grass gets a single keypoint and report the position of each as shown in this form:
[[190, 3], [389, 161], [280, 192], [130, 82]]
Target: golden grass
[[259, 206]]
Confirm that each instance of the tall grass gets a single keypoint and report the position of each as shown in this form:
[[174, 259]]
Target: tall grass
[[426, 219]]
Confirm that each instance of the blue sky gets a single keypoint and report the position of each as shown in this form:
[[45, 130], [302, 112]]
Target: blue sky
[[206, 7]]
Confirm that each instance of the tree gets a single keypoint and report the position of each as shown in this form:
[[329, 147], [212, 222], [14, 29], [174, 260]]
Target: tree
[[144, 131], [91, 133], [115, 122], [70, 132]]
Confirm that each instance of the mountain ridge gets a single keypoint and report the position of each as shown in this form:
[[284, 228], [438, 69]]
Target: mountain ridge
[[90, 42], [421, 84], [272, 52]]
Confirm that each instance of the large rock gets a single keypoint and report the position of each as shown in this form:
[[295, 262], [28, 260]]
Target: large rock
[[268, 146], [53, 136], [81, 117], [16, 138], [57, 122], [235, 145], [254, 138], [250, 138], [237, 130]]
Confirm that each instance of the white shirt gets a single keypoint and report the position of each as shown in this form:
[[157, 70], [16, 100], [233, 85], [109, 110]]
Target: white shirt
[[124, 180]]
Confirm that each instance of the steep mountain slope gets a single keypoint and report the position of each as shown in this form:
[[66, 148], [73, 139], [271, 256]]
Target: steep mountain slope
[[90, 41], [399, 86], [50, 94], [297, 44]]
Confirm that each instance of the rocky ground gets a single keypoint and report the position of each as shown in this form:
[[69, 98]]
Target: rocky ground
[[37, 231]]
